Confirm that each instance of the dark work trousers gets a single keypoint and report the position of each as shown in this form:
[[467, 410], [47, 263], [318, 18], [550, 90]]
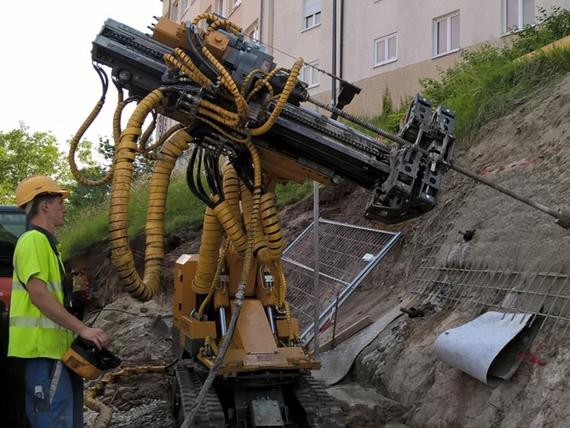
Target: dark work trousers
[[54, 395]]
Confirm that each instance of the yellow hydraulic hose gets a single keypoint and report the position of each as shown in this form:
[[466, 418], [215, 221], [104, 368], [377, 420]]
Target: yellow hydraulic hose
[[172, 61], [104, 417], [264, 82], [226, 24], [228, 82], [232, 226], [73, 148], [149, 154], [222, 132], [121, 253], [206, 15], [221, 263], [248, 78], [271, 226], [212, 234], [200, 78], [146, 135], [220, 110], [283, 97], [230, 187], [281, 302]]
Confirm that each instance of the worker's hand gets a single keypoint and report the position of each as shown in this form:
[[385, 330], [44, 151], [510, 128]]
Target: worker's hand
[[95, 335]]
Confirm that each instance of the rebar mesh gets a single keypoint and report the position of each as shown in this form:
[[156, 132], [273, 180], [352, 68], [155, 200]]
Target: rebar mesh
[[543, 291], [347, 254]]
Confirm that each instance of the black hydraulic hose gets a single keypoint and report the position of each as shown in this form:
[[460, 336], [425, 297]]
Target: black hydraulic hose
[[199, 173], [191, 179]]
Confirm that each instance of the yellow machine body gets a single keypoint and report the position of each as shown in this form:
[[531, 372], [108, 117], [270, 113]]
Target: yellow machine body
[[89, 362], [254, 345], [80, 365]]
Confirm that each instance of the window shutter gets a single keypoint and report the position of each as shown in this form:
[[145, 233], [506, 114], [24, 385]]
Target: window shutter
[[310, 7]]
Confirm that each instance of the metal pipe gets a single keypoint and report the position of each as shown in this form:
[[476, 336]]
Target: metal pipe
[[269, 311], [333, 67], [341, 41], [223, 321], [260, 25], [316, 290], [334, 322]]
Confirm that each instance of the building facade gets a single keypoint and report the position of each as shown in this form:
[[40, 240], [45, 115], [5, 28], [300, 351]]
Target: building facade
[[381, 45]]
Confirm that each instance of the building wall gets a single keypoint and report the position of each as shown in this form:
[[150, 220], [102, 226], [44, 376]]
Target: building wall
[[245, 13], [481, 22], [280, 23]]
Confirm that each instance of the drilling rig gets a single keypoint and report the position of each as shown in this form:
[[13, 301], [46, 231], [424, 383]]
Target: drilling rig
[[247, 125]]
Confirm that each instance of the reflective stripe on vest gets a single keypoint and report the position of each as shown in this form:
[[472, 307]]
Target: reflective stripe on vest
[[42, 322]]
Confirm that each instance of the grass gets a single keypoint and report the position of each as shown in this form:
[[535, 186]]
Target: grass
[[489, 82], [91, 224], [287, 194]]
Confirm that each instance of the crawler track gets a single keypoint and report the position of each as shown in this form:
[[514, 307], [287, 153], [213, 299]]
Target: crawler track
[[322, 410], [186, 388]]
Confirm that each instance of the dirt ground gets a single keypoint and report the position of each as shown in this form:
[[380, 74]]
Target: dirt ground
[[397, 381]]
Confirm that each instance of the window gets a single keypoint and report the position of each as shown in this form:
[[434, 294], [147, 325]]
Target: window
[[174, 11], [183, 7], [235, 3], [386, 49], [253, 31], [311, 14], [517, 14], [219, 9], [310, 75], [446, 34]]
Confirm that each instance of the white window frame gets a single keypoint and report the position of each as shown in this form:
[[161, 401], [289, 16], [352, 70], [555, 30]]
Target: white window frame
[[314, 80], [520, 18], [448, 49], [376, 61], [310, 20], [253, 30], [220, 4], [183, 9]]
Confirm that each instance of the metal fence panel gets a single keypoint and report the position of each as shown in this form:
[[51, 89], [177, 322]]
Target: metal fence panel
[[347, 255]]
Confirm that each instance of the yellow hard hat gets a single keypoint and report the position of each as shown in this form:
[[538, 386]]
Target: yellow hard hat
[[32, 186]]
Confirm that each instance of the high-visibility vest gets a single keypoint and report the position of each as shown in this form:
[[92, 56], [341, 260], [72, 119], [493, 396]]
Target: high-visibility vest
[[32, 334]]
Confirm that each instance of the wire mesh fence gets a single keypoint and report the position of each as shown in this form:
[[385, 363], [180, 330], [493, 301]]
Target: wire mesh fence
[[347, 253]]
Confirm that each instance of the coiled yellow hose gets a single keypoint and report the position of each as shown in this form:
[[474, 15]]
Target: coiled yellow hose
[[201, 78], [283, 97], [73, 148], [221, 263], [230, 187], [229, 83], [121, 253], [212, 234]]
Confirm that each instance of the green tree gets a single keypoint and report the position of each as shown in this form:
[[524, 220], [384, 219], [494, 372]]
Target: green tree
[[24, 153], [141, 165]]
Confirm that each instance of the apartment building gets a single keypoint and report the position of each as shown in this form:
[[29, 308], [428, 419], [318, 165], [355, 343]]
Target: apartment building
[[380, 44]]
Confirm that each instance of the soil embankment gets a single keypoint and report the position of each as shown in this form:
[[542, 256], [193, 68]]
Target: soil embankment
[[528, 152]]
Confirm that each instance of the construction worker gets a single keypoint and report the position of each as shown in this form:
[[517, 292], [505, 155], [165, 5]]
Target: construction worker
[[41, 328]]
